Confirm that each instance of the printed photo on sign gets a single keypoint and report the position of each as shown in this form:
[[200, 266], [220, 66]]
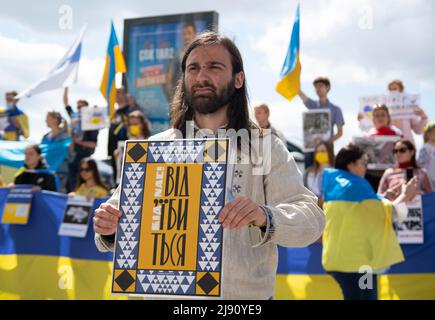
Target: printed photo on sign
[[76, 217], [366, 105], [379, 151], [94, 118], [169, 239], [410, 231], [316, 128], [18, 205]]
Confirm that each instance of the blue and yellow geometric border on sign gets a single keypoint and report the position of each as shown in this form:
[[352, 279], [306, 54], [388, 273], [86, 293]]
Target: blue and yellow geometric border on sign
[[204, 276]]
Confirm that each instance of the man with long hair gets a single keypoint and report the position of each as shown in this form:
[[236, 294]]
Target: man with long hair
[[268, 209]]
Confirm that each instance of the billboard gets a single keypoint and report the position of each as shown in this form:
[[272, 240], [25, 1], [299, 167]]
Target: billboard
[[153, 49]]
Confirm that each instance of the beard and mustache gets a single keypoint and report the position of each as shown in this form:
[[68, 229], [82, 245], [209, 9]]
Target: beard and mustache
[[213, 101]]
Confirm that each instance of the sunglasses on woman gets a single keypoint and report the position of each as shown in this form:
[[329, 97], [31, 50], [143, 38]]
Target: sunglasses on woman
[[401, 150], [85, 169]]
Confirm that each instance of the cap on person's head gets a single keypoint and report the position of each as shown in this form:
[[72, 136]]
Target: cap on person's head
[[323, 80]]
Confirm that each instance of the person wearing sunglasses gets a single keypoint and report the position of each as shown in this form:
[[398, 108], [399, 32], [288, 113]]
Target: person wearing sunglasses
[[323, 158], [405, 169], [89, 182]]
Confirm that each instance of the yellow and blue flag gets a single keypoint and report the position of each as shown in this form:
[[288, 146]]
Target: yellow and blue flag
[[352, 237], [114, 63], [289, 84]]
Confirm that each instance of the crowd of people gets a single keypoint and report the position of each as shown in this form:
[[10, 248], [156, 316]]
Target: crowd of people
[[285, 212], [78, 174]]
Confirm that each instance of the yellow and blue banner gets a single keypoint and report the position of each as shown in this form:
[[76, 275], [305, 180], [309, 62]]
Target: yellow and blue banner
[[114, 63], [289, 84], [37, 263]]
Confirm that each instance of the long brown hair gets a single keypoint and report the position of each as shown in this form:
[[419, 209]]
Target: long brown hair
[[238, 111]]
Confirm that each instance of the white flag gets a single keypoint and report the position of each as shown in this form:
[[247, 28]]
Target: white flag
[[63, 74]]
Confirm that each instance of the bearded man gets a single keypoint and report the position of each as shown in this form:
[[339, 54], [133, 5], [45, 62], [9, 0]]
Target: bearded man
[[268, 209]]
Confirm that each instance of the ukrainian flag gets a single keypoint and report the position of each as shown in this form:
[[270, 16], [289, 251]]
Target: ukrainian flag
[[291, 70], [114, 63]]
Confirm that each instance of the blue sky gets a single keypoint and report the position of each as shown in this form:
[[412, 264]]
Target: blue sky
[[360, 45]]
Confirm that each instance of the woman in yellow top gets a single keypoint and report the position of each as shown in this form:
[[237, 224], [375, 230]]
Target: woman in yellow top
[[89, 182], [359, 241]]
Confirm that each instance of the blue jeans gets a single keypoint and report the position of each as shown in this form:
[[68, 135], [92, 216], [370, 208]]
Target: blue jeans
[[349, 284]]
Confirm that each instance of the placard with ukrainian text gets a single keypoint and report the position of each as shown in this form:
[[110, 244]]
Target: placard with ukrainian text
[[169, 239]]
